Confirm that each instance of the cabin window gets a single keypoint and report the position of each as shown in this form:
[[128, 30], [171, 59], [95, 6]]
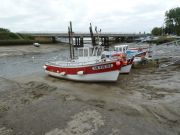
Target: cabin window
[[97, 51], [116, 49], [82, 52], [124, 49], [86, 52], [120, 49]]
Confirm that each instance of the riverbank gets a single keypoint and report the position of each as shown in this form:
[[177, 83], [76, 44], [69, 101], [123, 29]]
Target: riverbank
[[147, 101], [21, 42], [15, 50], [164, 39]]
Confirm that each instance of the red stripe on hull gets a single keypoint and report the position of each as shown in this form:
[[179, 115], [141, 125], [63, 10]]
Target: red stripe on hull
[[91, 69]]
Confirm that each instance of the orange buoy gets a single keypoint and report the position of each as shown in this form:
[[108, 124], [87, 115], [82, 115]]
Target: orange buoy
[[118, 63]]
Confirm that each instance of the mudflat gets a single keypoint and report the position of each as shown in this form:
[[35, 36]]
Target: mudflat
[[144, 102]]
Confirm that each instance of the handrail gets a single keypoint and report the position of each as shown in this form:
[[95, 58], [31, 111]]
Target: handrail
[[75, 63]]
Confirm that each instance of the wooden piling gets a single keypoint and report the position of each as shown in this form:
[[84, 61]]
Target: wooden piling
[[81, 41]]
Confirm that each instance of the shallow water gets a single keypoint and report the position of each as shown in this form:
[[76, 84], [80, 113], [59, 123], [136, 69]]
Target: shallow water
[[27, 64]]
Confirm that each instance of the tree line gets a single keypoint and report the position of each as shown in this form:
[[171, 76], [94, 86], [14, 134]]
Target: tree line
[[4, 30], [172, 23]]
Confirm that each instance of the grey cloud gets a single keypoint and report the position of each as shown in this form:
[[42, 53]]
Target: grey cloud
[[54, 15]]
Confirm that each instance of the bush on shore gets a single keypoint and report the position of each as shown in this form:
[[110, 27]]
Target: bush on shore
[[21, 42], [162, 40], [25, 36], [8, 36], [15, 42]]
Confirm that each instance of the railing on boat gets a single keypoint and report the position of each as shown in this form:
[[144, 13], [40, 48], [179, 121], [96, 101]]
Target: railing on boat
[[75, 63]]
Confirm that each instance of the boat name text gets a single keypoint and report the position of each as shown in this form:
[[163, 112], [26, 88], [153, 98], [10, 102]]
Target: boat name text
[[102, 67]]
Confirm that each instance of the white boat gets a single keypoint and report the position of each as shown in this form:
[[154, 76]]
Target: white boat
[[86, 67], [139, 54], [121, 57], [125, 69], [36, 44]]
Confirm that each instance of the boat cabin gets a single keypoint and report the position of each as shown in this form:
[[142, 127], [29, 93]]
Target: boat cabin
[[121, 48], [89, 53]]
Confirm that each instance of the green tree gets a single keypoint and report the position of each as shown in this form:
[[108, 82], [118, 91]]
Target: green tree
[[157, 31], [4, 30], [172, 21]]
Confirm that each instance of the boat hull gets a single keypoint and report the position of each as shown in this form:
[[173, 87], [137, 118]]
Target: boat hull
[[125, 69], [111, 76], [94, 72], [137, 60]]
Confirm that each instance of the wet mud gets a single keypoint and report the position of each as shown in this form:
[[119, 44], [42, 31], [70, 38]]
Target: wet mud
[[147, 101]]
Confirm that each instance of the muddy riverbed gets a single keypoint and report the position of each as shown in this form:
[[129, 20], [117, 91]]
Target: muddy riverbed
[[145, 102]]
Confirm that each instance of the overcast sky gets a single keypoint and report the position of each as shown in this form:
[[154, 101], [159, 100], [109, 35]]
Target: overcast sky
[[110, 15]]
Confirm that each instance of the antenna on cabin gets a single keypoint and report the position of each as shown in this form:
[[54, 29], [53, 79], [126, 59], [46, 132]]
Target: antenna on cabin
[[98, 38], [92, 35]]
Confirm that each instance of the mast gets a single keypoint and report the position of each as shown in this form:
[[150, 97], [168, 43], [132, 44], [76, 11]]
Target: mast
[[69, 34], [72, 47], [92, 35], [97, 33]]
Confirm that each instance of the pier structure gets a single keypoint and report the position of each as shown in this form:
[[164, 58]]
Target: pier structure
[[79, 37]]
